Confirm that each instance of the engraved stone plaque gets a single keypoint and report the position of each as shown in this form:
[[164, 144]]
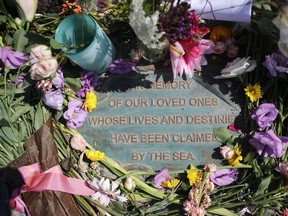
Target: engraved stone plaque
[[148, 122]]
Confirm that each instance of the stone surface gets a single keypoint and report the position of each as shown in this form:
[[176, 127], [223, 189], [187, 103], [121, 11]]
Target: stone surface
[[146, 122]]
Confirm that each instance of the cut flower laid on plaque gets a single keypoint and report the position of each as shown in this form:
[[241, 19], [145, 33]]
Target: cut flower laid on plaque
[[143, 107]]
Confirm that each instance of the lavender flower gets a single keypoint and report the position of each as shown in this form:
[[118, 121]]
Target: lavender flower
[[177, 22], [224, 176], [75, 115], [268, 144], [12, 59], [161, 177], [276, 63], [58, 80], [89, 81], [54, 99], [264, 115], [121, 66], [20, 81]]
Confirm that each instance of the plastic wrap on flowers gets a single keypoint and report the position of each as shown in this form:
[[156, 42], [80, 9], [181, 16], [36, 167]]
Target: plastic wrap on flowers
[[41, 149]]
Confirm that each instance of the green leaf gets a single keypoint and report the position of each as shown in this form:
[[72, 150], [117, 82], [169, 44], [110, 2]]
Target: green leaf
[[4, 111], [257, 168], [10, 134], [223, 135], [5, 142], [73, 83], [37, 39], [19, 111], [54, 44], [8, 39], [19, 40], [2, 18], [22, 131], [2, 7], [221, 211], [263, 186]]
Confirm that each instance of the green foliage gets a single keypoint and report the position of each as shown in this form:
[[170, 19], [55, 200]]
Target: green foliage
[[19, 40], [263, 186], [224, 136]]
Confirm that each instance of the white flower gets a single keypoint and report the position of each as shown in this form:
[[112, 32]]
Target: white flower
[[226, 152], [129, 184], [105, 192], [145, 27], [40, 52], [237, 67], [27, 9], [281, 21], [43, 68]]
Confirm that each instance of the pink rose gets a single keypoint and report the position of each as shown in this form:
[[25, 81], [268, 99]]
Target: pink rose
[[77, 142], [43, 68], [226, 152], [40, 52]]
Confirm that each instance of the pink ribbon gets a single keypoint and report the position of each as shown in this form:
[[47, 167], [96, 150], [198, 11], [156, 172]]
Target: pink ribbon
[[51, 179]]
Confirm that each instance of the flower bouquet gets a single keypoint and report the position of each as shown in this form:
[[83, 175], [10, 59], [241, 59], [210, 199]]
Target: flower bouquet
[[47, 167]]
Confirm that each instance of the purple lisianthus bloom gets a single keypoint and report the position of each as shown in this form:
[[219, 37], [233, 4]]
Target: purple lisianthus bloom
[[12, 59], [161, 177], [264, 115], [276, 63], [75, 115], [121, 66], [54, 99], [58, 80], [89, 81], [224, 176], [267, 144]]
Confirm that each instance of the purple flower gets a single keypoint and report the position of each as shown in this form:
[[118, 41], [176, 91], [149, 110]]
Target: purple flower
[[89, 81], [75, 115], [121, 66], [276, 63], [161, 177], [58, 80], [20, 81], [54, 99], [268, 144], [264, 115], [224, 176], [12, 59]]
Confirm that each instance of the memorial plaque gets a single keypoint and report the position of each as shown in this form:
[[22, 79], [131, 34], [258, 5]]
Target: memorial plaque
[[148, 122]]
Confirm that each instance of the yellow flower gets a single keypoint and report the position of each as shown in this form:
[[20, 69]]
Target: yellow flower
[[236, 157], [220, 33], [193, 176], [95, 155], [90, 101], [170, 183], [253, 92]]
